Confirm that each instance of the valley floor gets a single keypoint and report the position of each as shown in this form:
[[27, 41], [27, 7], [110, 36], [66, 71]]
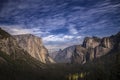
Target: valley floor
[[105, 68]]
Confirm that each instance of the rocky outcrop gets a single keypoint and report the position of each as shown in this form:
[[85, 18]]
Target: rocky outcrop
[[9, 45], [79, 55], [33, 45], [64, 56], [91, 42], [105, 46], [107, 42], [72, 54], [12, 53], [92, 48], [96, 47]]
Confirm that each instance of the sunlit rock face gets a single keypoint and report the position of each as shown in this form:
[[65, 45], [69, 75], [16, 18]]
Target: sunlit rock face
[[107, 42], [91, 42], [12, 54], [105, 45], [33, 45], [9, 45]]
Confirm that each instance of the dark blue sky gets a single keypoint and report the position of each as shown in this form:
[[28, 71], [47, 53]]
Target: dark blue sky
[[60, 23]]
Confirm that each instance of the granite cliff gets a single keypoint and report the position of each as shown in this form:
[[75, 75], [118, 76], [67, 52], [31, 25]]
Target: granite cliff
[[11, 53], [34, 46], [92, 48]]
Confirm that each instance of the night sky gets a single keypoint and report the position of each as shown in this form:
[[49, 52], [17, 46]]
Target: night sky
[[60, 23]]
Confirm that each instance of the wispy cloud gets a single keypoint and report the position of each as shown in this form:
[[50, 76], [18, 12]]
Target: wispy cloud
[[19, 29], [58, 38], [61, 21], [72, 29]]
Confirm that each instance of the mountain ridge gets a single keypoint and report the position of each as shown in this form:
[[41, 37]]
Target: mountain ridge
[[34, 46], [11, 51], [95, 47]]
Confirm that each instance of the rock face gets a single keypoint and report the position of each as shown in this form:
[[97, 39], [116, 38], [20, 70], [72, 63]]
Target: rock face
[[95, 47], [107, 42], [53, 54], [72, 54], [64, 56], [79, 55], [9, 45], [91, 49], [33, 45], [91, 42], [12, 53]]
